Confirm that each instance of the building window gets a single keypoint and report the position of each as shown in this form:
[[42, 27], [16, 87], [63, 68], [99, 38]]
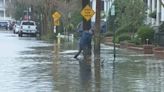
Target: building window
[[145, 1], [102, 5], [155, 4], [1, 13], [1, 3]]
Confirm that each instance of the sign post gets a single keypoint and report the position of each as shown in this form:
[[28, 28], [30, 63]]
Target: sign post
[[86, 23], [56, 18], [114, 34], [87, 13]]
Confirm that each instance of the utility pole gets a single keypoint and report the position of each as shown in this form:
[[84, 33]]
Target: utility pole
[[97, 30], [97, 38]]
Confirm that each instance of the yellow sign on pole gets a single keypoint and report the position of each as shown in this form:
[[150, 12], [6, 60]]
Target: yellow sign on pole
[[57, 22], [56, 16], [87, 12]]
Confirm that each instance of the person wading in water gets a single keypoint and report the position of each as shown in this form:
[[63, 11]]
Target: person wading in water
[[85, 42]]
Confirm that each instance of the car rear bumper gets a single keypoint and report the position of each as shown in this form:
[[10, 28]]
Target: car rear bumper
[[29, 32]]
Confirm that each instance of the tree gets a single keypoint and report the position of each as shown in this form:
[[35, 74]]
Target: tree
[[130, 15], [42, 11], [70, 10], [16, 8]]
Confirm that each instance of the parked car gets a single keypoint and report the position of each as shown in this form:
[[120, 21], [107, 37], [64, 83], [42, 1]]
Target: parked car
[[4, 24], [27, 27], [16, 27]]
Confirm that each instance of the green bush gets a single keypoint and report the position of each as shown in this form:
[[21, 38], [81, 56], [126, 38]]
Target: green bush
[[146, 32], [161, 27], [109, 33], [136, 41], [123, 37], [124, 29]]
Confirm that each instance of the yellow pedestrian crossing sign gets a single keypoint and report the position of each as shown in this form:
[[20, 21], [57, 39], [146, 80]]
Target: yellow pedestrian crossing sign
[[56, 16], [87, 12]]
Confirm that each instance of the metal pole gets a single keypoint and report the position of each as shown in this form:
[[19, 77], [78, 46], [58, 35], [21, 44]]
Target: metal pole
[[114, 43], [28, 13], [112, 13], [113, 16]]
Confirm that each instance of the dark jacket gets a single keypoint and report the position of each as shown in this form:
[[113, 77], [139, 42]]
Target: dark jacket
[[85, 40]]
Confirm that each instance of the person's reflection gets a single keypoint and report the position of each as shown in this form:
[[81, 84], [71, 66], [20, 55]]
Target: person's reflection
[[85, 74], [97, 69]]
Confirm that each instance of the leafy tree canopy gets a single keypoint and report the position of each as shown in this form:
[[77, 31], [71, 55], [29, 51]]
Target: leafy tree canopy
[[131, 12]]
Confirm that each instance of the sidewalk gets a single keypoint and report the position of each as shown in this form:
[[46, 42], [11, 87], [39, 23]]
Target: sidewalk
[[158, 52]]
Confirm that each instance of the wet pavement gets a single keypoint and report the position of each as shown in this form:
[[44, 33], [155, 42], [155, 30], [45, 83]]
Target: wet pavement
[[31, 65]]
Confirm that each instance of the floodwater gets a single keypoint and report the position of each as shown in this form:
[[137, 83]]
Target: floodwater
[[31, 65]]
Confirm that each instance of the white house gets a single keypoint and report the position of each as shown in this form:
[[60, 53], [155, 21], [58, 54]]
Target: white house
[[105, 6], [155, 6], [3, 14]]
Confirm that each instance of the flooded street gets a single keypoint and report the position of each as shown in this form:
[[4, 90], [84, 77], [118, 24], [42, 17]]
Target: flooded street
[[31, 65], [25, 64]]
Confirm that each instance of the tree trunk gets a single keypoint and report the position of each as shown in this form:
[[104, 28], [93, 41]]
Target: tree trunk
[[97, 30]]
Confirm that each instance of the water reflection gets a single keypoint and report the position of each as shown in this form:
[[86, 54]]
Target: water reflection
[[85, 75], [90, 77], [155, 76], [67, 78], [97, 70], [35, 66], [129, 73]]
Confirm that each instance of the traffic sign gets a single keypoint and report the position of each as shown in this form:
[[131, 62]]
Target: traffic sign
[[56, 16], [56, 22], [87, 12]]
